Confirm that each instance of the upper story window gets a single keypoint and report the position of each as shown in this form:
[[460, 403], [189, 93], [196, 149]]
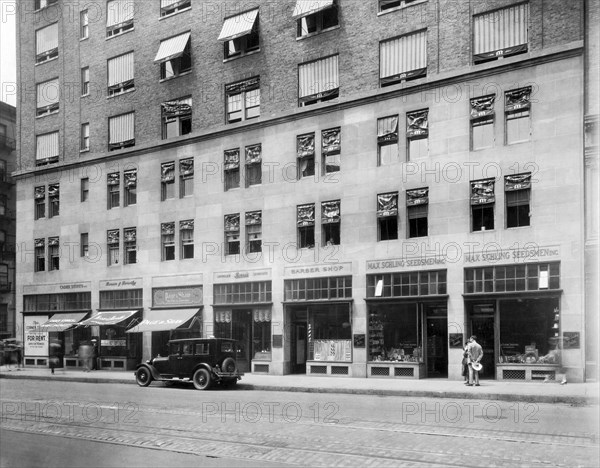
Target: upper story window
[[130, 179], [385, 5], [482, 122], [243, 100], [254, 231], [54, 200], [119, 17], [331, 222], [40, 202], [39, 4], [174, 56], [170, 7], [517, 192], [84, 140], [85, 81], [186, 177], [113, 244], [253, 174], [167, 180], [120, 74], [500, 33], [387, 140], [232, 234], [417, 201], [483, 199], [46, 149], [167, 231], [417, 134], [176, 117], [240, 34], [48, 94], [517, 113], [186, 238], [84, 25], [305, 221], [331, 147], [387, 216], [121, 131], [403, 58], [313, 17], [231, 168], [318, 81], [46, 43], [305, 151], [113, 190]]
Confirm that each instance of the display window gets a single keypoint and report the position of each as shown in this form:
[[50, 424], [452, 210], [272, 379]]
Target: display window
[[395, 333], [329, 333]]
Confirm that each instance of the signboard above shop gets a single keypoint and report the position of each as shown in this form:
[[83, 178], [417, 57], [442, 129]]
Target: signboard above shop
[[242, 276], [318, 270], [130, 283], [82, 286]]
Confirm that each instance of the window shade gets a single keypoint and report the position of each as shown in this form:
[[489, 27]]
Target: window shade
[[119, 11], [331, 141], [518, 99], [254, 217], [121, 128], [306, 215], [167, 172], [330, 212], [177, 108], [120, 69], [417, 124], [318, 79], [482, 107], [501, 32], [404, 57], [387, 129], [253, 154], [46, 146], [517, 182], [232, 159], [482, 191], [232, 222], [46, 39], [48, 93], [387, 204], [417, 197], [305, 145]]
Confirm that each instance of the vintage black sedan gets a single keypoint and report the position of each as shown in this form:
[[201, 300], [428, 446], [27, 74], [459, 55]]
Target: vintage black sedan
[[201, 361]]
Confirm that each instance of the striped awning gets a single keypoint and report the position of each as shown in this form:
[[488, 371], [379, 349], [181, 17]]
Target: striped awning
[[319, 77], [108, 318], [46, 146], [60, 322], [120, 69], [121, 128], [238, 26], [163, 320], [308, 7], [172, 48], [501, 32], [404, 57]]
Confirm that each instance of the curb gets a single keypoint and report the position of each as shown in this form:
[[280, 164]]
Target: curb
[[522, 398]]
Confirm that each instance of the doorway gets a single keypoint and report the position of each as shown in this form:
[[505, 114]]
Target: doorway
[[437, 347], [482, 326], [298, 341]]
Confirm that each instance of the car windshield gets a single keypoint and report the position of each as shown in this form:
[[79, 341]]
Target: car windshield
[[227, 347]]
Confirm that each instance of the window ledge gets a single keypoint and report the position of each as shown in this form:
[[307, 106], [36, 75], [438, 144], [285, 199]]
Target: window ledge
[[483, 231], [170, 15], [108, 38], [81, 39], [401, 7], [47, 114], [316, 33], [241, 56], [162, 80], [47, 61], [85, 95], [121, 94], [84, 151]]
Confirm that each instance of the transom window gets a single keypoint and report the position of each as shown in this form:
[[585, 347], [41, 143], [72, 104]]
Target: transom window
[[307, 289], [407, 284], [242, 293], [512, 278]]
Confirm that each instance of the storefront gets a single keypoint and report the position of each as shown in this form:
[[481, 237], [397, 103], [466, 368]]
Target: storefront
[[318, 316], [62, 332], [407, 324], [515, 312], [243, 311]]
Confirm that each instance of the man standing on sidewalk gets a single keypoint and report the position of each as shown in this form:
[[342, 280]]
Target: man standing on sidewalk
[[475, 355]]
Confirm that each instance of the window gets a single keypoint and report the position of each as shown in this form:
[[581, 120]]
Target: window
[[417, 201], [46, 149], [176, 117], [46, 43], [56, 302], [389, 4], [121, 131], [186, 237], [305, 150], [407, 284], [48, 94], [330, 222], [331, 145], [512, 278], [114, 190], [243, 293], [243, 100], [4, 285], [40, 255], [120, 74], [403, 58], [500, 33], [113, 246], [240, 34], [53, 254], [84, 31], [122, 299], [387, 140], [315, 17], [85, 189], [170, 7], [232, 168], [39, 4], [167, 180], [517, 191], [417, 134], [84, 244], [39, 194], [482, 123], [232, 234], [517, 114], [482, 204], [305, 220], [387, 216], [54, 200], [318, 81], [130, 181], [186, 177], [130, 246], [119, 17], [308, 289], [254, 231], [174, 56], [253, 165], [85, 81], [84, 144], [168, 241]]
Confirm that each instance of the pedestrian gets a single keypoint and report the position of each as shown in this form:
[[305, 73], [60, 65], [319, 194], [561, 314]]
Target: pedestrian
[[54, 360], [465, 363], [475, 355], [85, 355]]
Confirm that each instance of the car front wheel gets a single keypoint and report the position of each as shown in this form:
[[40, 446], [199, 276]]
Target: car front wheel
[[143, 377], [202, 379]]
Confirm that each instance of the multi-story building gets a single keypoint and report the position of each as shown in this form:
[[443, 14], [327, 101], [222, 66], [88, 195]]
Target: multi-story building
[[8, 203], [346, 187]]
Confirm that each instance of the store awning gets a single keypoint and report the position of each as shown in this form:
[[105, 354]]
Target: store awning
[[172, 48], [108, 317], [163, 320], [308, 7], [60, 322], [238, 26]]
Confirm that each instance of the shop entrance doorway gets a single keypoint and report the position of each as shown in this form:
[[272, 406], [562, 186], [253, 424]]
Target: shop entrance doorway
[[298, 341], [437, 346], [482, 326]]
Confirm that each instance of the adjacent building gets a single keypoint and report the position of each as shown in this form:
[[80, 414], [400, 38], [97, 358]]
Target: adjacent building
[[345, 187]]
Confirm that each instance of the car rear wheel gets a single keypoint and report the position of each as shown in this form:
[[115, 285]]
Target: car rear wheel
[[229, 365], [143, 377], [202, 379]]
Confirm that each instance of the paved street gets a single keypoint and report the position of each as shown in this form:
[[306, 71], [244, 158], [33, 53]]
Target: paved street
[[161, 426]]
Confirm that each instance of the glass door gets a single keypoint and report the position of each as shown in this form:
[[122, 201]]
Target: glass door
[[482, 326]]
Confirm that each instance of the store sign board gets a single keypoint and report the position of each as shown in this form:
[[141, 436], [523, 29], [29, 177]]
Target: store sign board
[[496, 254], [359, 340], [189, 296], [395, 264], [455, 340], [110, 343], [82, 286], [242, 276], [36, 340], [319, 270], [132, 283], [571, 340]]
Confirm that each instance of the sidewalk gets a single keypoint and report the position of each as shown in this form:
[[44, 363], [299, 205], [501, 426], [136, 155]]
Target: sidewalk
[[530, 392]]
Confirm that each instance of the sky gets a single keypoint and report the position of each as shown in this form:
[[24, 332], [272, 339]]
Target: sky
[[8, 52]]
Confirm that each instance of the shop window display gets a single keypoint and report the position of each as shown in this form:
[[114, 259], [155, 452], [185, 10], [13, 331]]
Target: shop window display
[[395, 333], [329, 333]]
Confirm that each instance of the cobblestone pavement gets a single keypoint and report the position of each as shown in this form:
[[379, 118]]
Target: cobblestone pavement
[[307, 429]]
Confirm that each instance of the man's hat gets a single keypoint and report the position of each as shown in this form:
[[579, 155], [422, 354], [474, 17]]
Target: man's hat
[[477, 366]]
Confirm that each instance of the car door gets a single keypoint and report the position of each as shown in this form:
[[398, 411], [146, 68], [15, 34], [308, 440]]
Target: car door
[[186, 361]]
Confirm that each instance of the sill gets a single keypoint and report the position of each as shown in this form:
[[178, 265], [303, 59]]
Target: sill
[[85, 95], [121, 93], [107, 38], [518, 227], [246, 54], [401, 7], [482, 149], [316, 33], [482, 231], [174, 13], [162, 80], [518, 142], [81, 39], [46, 61], [47, 114]]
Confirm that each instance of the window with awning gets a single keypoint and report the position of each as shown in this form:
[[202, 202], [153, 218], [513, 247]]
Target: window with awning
[[500, 33], [243, 100], [46, 43], [318, 80], [46, 149], [517, 115], [231, 168], [177, 117], [517, 190], [119, 16], [173, 47], [240, 34], [306, 215], [482, 122], [313, 17], [120, 74], [164, 320], [253, 165], [48, 94], [117, 317], [330, 212], [61, 322], [121, 131], [482, 204], [387, 204], [403, 58], [232, 234]]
